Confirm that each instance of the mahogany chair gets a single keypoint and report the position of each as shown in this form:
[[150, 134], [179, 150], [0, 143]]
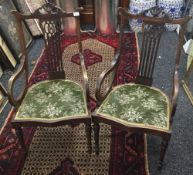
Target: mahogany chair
[[55, 101], [139, 107]]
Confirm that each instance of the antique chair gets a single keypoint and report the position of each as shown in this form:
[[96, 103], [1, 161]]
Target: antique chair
[[56, 101], [139, 107]]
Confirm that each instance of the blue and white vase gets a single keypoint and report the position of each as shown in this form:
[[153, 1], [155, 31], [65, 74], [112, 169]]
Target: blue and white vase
[[173, 8], [136, 7]]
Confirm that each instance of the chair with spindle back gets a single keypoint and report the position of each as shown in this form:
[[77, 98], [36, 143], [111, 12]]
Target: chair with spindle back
[[140, 107], [55, 101]]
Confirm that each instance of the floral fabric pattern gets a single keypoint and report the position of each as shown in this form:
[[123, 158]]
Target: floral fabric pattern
[[53, 99], [137, 104]]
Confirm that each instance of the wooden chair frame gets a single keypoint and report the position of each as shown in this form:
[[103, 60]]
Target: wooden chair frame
[[53, 13], [141, 78]]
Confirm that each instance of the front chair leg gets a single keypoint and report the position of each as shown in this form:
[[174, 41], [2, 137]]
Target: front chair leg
[[164, 146], [96, 137], [19, 134], [88, 130]]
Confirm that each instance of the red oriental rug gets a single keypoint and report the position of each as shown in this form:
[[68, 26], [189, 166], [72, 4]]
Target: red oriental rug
[[62, 150]]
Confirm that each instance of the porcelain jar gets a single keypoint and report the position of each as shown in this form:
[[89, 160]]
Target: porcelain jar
[[173, 8], [136, 7]]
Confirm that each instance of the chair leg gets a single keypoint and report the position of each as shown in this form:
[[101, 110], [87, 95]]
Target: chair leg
[[88, 130], [96, 137], [164, 146], [19, 134]]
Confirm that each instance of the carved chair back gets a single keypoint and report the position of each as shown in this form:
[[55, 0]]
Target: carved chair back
[[51, 30], [150, 43], [153, 27], [50, 20]]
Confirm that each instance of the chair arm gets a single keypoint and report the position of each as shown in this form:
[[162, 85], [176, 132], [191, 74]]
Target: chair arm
[[85, 76], [22, 67], [102, 77], [175, 92]]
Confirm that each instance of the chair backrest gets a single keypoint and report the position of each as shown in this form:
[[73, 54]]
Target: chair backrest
[[153, 27], [152, 33], [50, 20]]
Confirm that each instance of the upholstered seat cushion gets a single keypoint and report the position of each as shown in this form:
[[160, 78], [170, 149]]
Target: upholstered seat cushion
[[135, 104], [53, 99]]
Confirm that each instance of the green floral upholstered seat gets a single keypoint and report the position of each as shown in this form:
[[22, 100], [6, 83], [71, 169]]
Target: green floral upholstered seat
[[53, 99], [137, 104]]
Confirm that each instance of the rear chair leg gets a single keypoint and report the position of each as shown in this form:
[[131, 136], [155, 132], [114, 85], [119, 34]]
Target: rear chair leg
[[88, 130], [164, 146], [19, 134], [96, 137]]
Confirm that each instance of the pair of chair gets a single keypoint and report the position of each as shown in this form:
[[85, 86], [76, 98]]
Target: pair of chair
[[132, 107]]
